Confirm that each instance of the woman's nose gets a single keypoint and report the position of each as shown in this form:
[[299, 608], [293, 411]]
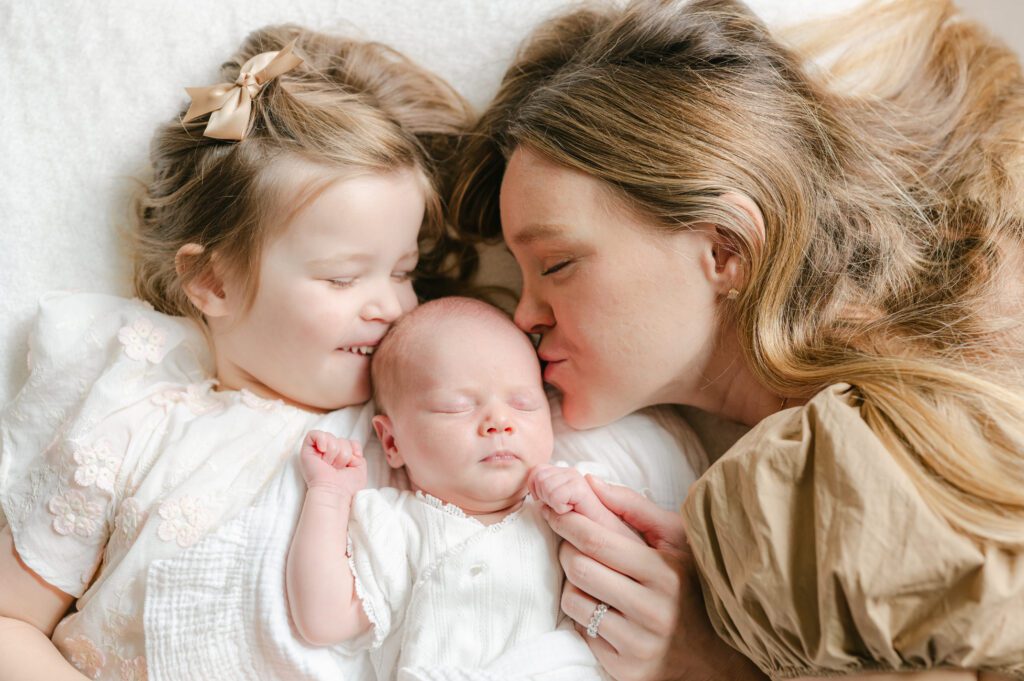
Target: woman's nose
[[533, 315]]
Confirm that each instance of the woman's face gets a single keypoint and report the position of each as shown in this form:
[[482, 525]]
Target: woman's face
[[626, 311]]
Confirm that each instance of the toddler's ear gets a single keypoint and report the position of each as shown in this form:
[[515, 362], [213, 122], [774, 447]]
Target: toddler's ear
[[205, 290], [386, 435]]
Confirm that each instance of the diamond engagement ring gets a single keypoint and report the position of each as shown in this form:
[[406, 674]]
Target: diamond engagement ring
[[595, 619]]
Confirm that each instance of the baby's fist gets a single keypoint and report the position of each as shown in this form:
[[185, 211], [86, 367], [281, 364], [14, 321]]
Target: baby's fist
[[332, 462], [563, 489]]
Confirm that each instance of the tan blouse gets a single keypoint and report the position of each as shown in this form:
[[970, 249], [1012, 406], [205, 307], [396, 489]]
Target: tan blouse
[[819, 558]]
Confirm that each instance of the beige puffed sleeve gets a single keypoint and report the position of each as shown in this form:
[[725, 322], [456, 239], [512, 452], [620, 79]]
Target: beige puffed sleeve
[[818, 557]]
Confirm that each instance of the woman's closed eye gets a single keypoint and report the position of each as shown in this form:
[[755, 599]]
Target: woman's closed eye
[[557, 267]]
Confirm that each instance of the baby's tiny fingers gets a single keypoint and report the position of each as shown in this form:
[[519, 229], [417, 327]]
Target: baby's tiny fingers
[[344, 453], [330, 451]]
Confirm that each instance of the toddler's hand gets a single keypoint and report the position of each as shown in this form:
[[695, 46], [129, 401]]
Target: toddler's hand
[[332, 463]]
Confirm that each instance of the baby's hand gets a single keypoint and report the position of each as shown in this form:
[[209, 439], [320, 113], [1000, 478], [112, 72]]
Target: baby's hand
[[563, 490], [332, 463]]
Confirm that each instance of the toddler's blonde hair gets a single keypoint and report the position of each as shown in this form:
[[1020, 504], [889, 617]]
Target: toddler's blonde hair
[[352, 107]]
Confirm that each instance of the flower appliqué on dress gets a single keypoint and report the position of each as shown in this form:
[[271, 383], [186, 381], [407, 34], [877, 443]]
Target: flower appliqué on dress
[[97, 466], [142, 340], [85, 656], [75, 514], [198, 397], [129, 517], [184, 521], [134, 670]]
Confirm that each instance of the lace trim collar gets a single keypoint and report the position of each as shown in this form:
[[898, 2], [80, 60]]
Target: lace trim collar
[[453, 510]]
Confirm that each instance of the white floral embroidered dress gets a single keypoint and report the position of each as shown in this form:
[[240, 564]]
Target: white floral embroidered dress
[[119, 451]]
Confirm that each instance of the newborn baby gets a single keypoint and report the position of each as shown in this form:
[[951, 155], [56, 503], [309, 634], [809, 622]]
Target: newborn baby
[[462, 566]]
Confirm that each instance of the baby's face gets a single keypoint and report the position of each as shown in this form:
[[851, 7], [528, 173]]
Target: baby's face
[[470, 419]]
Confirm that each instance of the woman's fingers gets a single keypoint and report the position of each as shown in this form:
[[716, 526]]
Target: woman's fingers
[[620, 553], [657, 526], [615, 628], [652, 609]]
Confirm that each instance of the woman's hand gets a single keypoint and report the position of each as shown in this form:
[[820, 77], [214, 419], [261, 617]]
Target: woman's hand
[[656, 626]]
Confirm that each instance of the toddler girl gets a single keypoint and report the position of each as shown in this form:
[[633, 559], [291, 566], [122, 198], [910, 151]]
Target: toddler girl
[[461, 567], [275, 245]]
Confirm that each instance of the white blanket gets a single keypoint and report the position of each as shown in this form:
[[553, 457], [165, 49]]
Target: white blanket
[[219, 611]]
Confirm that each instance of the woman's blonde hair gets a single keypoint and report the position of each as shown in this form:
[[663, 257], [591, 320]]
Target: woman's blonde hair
[[351, 107], [892, 191]]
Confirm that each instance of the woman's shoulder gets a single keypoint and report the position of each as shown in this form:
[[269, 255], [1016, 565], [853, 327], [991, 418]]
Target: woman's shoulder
[[810, 521], [830, 422]]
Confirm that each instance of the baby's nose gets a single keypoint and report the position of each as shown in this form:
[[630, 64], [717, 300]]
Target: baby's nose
[[496, 426]]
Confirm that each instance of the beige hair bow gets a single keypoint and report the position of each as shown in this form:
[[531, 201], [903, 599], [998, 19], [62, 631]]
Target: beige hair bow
[[231, 103]]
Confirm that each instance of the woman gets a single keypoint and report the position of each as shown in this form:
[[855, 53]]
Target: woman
[[703, 219]]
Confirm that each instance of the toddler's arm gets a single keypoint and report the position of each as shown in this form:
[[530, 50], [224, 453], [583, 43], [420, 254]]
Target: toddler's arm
[[29, 610], [566, 489], [321, 588]]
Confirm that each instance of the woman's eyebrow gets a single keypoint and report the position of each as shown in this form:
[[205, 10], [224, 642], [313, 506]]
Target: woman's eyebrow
[[536, 232]]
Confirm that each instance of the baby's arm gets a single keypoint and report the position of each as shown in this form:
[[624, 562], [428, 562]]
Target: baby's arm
[[321, 588], [565, 489]]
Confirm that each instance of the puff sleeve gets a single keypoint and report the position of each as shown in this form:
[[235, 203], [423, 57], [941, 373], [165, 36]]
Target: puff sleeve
[[818, 557], [378, 558], [67, 440]]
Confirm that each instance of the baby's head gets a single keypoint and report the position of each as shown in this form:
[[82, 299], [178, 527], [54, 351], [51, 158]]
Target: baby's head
[[294, 245], [462, 404]]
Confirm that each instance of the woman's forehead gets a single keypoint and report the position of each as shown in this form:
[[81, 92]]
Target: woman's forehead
[[542, 200]]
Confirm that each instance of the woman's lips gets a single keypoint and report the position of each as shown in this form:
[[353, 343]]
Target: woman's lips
[[551, 369]]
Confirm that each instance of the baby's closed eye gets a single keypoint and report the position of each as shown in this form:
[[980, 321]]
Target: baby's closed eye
[[525, 402]]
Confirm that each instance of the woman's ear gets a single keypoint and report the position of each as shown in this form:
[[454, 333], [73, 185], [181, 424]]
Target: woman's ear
[[206, 289], [386, 434], [724, 263]]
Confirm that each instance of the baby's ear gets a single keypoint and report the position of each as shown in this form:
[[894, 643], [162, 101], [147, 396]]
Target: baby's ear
[[386, 435], [205, 289]]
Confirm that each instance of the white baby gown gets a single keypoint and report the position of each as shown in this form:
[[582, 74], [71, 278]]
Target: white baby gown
[[119, 451], [441, 588]]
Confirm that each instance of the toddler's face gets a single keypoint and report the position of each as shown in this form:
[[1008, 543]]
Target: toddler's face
[[471, 419], [330, 286]]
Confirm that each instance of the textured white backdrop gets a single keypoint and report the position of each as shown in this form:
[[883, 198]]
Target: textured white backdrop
[[85, 83]]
